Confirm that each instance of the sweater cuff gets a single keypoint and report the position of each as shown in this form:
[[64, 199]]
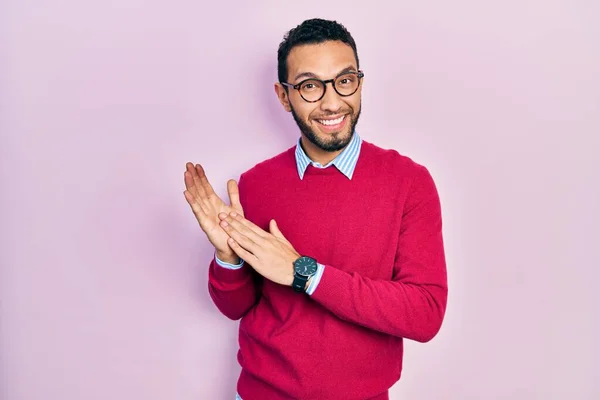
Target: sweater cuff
[[227, 274], [331, 282]]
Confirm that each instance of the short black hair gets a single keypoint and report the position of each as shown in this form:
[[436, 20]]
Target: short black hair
[[311, 31]]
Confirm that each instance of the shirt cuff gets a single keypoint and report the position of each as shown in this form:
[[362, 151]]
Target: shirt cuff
[[228, 265], [314, 282]]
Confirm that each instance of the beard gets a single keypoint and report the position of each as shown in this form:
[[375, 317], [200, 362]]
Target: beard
[[337, 142]]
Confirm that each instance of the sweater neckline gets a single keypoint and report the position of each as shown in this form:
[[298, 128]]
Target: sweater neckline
[[332, 169]]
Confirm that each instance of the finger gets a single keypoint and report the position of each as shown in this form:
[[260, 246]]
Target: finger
[[193, 182], [196, 206], [274, 229], [234, 196], [246, 226], [241, 237], [188, 178], [242, 253], [200, 189], [204, 183], [189, 184]]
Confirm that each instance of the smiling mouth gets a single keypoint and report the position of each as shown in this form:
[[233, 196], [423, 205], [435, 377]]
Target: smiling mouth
[[332, 122]]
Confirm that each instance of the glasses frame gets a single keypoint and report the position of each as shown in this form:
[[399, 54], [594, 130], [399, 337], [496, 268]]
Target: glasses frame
[[360, 74]]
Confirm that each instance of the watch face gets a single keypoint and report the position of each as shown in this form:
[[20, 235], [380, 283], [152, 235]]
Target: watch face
[[305, 266]]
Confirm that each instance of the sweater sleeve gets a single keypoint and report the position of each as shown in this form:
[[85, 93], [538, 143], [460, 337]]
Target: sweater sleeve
[[233, 288], [412, 303]]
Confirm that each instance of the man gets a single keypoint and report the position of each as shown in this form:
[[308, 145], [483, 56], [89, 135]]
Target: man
[[331, 252]]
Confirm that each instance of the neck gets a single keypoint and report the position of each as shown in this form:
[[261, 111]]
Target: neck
[[316, 153]]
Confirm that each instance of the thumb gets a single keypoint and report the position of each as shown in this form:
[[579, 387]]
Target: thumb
[[234, 196], [274, 229]]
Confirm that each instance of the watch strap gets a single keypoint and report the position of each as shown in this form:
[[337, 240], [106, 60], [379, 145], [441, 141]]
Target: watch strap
[[299, 283]]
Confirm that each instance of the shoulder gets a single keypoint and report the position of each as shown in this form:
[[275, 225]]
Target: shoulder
[[261, 182], [265, 170], [393, 161], [412, 180]]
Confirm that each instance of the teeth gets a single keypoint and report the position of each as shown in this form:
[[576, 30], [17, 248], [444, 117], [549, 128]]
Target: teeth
[[332, 121]]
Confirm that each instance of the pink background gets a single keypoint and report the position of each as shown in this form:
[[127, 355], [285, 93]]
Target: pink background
[[103, 267]]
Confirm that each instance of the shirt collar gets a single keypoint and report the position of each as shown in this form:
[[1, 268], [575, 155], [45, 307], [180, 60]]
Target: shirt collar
[[345, 162]]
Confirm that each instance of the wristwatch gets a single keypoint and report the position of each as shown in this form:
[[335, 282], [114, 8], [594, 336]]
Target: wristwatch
[[304, 268]]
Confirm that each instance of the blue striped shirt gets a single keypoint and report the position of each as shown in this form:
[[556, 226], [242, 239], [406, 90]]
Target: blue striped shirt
[[345, 162]]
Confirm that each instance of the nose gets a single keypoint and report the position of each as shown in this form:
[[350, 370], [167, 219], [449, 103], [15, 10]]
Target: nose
[[331, 101]]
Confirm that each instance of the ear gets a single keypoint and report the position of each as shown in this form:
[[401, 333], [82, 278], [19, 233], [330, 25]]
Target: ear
[[283, 97]]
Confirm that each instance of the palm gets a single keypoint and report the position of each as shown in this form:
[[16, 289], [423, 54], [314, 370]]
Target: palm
[[207, 205]]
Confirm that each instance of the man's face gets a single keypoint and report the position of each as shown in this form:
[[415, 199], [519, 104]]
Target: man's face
[[329, 123]]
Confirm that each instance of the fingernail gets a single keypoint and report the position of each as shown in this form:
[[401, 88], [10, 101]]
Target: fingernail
[[223, 223], [233, 214]]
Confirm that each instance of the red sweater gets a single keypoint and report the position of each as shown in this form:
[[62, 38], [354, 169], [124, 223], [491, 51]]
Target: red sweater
[[379, 236]]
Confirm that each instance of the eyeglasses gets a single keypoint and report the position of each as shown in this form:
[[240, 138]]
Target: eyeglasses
[[313, 89]]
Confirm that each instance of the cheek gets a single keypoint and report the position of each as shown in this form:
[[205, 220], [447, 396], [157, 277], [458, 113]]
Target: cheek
[[355, 106], [355, 100], [306, 112]]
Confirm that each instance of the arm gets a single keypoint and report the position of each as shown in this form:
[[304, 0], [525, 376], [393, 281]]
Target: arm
[[232, 287], [412, 305]]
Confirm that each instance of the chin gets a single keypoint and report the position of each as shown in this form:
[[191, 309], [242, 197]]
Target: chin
[[330, 141]]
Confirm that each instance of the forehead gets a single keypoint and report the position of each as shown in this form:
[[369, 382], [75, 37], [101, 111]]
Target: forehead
[[325, 60]]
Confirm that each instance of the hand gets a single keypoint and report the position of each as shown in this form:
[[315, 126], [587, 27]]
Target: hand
[[270, 254], [206, 206]]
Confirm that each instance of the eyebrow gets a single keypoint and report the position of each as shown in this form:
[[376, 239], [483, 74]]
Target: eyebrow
[[312, 75]]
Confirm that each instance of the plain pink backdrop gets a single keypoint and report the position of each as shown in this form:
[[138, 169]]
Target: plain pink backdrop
[[103, 267]]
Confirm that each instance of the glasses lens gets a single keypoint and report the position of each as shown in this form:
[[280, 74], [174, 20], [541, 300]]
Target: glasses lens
[[311, 90], [346, 84]]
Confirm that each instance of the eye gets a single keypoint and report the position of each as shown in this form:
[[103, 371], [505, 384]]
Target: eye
[[346, 80], [311, 86]]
